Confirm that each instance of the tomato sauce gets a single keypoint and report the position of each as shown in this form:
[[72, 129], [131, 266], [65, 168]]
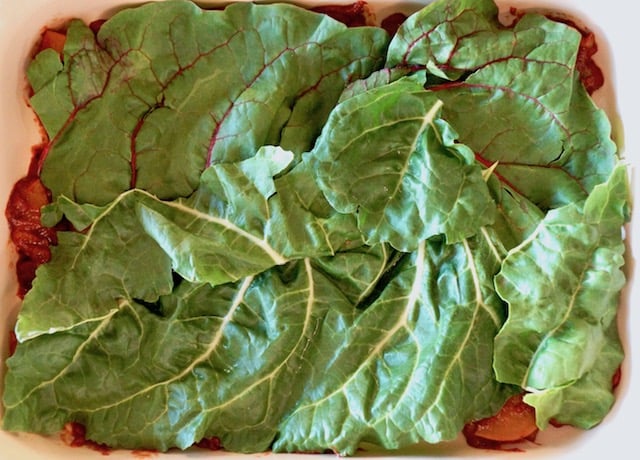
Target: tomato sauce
[[359, 14], [210, 444], [354, 15], [138, 453], [31, 239], [13, 342], [512, 425], [53, 39], [74, 435], [393, 22]]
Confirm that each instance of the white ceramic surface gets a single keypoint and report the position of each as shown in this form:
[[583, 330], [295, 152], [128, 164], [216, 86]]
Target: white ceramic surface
[[613, 20]]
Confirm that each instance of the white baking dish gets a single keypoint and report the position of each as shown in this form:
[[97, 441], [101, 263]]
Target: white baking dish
[[20, 24]]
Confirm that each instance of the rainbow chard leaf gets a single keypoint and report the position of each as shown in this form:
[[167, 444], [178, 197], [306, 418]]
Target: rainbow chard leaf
[[514, 97], [562, 285], [164, 90]]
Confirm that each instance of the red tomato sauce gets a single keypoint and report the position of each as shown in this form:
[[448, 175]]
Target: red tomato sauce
[[74, 435], [393, 22], [210, 444], [13, 343], [354, 15], [31, 239], [590, 72]]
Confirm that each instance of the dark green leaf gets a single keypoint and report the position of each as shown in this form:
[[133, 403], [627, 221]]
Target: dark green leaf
[[166, 89]]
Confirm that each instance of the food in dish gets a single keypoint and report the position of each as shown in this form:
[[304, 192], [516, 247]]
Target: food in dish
[[288, 234]]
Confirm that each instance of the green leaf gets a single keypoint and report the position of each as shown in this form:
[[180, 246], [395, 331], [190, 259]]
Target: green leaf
[[90, 273], [166, 89], [59, 91], [415, 365], [585, 402], [387, 157], [239, 223], [563, 285], [359, 272], [447, 36], [223, 361], [551, 159], [379, 78], [516, 219], [516, 99]]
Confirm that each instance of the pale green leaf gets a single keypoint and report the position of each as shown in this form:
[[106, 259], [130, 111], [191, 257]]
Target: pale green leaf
[[563, 288], [387, 157]]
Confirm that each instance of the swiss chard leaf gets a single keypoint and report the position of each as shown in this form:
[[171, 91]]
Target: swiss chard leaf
[[563, 285], [447, 37], [379, 78], [241, 222], [585, 402], [358, 277], [91, 272], [236, 351], [164, 90], [236, 225], [516, 98], [387, 157], [416, 364]]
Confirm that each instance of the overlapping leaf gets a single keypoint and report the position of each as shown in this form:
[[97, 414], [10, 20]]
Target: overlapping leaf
[[563, 285], [416, 365], [449, 38], [515, 96], [349, 297], [164, 90], [235, 226], [386, 156], [585, 402], [178, 377]]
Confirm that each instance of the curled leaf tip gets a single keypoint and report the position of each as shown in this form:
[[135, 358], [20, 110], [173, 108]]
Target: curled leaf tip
[[486, 174]]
